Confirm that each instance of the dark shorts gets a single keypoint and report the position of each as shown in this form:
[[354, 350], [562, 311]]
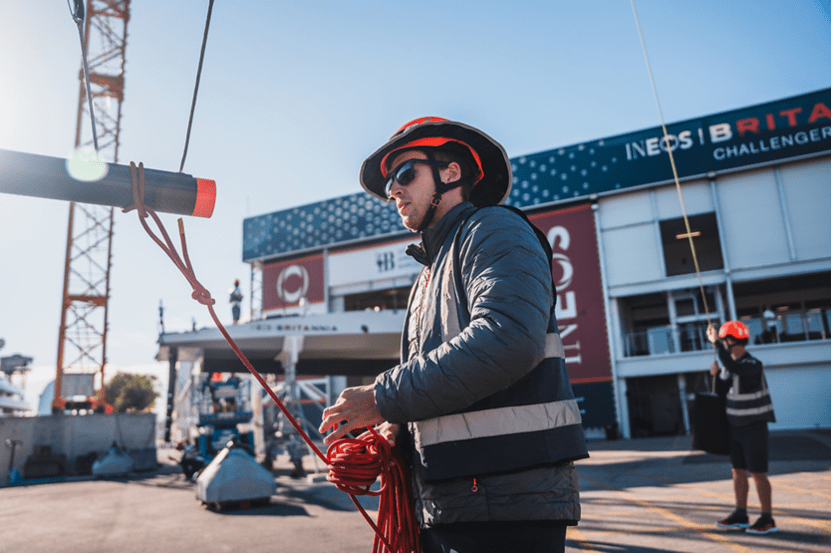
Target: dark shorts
[[748, 447], [495, 536]]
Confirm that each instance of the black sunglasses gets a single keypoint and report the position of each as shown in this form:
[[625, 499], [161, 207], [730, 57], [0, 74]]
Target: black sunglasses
[[405, 172]]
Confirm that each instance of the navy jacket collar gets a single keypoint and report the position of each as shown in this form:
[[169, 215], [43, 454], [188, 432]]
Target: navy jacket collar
[[433, 238]]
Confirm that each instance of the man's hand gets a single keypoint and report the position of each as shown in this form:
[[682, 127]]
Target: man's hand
[[355, 409], [386, 430], [712, 336], [713, 369]]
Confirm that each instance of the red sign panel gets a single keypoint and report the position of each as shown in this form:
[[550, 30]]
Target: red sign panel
[[580, 310], [286, 283]]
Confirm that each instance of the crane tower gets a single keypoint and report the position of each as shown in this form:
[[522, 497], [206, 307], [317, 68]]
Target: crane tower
[[82, 337]]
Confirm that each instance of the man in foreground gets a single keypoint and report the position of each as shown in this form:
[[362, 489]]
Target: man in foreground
[[481, 404]]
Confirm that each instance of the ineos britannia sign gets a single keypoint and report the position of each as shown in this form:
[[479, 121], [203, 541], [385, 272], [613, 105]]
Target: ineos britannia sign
[[779, 130]]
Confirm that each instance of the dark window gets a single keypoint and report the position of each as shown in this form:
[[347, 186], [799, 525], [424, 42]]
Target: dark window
[[646, 325], [677, 252], [378, 300], [787, 309]]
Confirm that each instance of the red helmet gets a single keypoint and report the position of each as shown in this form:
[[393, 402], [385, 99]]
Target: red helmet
[[734, 329], [494, 175]]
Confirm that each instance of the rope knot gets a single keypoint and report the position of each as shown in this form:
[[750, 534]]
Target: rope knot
[[202, 295]]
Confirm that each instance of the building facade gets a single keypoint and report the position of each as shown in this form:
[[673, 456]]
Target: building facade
[[641, 263]]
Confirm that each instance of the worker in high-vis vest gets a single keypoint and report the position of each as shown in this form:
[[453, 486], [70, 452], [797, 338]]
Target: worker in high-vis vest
[[749, 410], [481, 404]]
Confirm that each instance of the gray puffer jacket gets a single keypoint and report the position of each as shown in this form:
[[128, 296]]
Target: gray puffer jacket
[[482, 386]]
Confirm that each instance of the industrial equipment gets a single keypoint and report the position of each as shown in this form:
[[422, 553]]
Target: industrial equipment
[[223, 406], [304, 399], [234, 478], [191, 462]]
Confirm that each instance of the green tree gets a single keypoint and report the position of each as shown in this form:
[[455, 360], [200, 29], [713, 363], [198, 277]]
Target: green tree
[[129, 393]]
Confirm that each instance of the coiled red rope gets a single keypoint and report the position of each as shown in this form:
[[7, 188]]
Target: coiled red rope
[[355, 464]]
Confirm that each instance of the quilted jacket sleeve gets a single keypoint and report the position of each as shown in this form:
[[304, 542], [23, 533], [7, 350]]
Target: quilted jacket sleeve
[[506, 277]]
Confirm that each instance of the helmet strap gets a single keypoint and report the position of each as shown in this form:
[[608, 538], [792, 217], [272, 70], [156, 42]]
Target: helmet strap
[[439, 189]]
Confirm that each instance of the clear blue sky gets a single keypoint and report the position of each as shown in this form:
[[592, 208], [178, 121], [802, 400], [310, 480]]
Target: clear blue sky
[[295, 94]]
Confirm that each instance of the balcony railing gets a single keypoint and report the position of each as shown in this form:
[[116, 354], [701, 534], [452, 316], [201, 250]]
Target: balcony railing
[[689, 337], [665, 339]]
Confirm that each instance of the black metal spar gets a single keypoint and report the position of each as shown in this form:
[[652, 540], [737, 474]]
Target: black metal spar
[[102, 183]]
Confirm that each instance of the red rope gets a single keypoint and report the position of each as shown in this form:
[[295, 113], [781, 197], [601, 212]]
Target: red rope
[[354, 464]]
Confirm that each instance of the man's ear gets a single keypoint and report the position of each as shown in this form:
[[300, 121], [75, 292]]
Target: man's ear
[[453, 172]]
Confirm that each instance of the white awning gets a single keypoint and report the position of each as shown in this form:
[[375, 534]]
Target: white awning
[[355, 335]]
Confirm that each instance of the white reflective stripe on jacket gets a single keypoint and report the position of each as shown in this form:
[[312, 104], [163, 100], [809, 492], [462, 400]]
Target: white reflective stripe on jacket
[[497, 421]]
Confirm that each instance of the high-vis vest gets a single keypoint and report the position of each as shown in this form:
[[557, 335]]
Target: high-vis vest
[[744, 408], [534, 422]]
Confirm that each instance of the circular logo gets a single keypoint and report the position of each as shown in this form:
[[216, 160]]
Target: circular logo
[[292, 283], [567, 271]]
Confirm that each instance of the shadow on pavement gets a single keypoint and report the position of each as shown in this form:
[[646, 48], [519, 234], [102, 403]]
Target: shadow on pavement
[[277, 509], [596, 546], [327, 496], [670, 460]]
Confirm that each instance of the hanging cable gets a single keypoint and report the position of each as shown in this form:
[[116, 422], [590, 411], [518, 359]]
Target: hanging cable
[[78, 17], [677, 185], [674, 168], [196, 85]]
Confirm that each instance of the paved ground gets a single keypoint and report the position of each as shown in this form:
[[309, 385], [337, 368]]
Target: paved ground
[[647, 495], [655, 495]]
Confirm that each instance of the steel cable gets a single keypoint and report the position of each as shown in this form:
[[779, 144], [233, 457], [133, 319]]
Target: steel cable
[[196, 85], [677, 180], [78, 16]]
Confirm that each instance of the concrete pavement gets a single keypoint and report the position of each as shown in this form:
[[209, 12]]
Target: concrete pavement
[[656, 495], [644, 495]]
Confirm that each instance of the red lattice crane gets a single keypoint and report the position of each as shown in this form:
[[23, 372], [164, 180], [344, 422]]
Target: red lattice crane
[[82, 338]]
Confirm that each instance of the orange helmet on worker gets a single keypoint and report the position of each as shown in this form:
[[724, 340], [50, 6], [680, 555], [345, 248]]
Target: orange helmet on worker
[[456, 155], [736, 330]]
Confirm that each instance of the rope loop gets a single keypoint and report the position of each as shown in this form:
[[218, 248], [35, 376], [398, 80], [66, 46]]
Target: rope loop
[[360, 462], [137, 180], [355, 464], [137, 177]]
